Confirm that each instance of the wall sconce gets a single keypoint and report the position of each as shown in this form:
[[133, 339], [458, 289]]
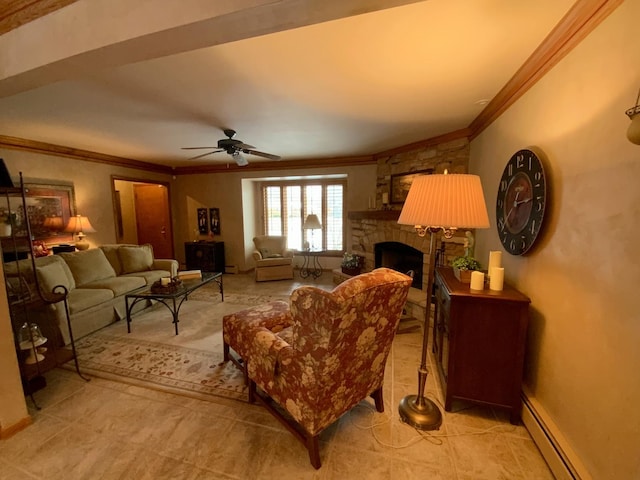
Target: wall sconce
[[633, 133], [80, 226]]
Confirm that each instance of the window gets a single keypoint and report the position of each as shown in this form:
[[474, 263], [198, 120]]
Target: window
[[287, 204]]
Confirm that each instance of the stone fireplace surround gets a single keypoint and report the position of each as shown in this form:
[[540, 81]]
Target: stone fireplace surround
[[371, 227]]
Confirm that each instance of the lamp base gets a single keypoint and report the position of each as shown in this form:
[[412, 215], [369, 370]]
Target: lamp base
[[420, 413], [82, 245]]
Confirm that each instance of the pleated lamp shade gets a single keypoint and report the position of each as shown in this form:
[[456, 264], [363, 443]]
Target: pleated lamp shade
[[80, 226], [447, 201]]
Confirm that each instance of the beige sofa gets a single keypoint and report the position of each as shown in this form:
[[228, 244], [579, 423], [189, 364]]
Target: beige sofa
[[273, 260], [97, 281]]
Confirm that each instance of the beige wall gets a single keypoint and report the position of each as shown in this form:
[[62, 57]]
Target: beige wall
[[92, 185], [583, 352], [225, 191]]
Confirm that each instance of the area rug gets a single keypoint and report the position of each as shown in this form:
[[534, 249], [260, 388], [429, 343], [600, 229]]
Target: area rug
[[152, 356]]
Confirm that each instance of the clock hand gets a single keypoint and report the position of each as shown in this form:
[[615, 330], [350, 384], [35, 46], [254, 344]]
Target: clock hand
[[515, 203], [523, 201]]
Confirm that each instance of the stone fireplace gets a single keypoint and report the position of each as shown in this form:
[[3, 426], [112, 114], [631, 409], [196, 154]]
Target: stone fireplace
[[373, 230], [400, 257]]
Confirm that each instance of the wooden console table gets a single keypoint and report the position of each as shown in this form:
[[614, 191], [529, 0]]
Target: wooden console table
[[479, 343]]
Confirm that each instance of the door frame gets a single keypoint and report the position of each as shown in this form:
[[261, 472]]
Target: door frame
[[117, 214]]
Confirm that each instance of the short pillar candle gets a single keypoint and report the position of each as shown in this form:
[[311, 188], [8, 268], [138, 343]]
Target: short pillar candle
[[496, 279], [477, 280]]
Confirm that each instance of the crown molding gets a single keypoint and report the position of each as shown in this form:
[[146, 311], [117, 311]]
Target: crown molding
[[16, 143], [583, 17], [16, 13]]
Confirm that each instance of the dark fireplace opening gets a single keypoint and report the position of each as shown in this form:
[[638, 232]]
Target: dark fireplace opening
[[400, 257]]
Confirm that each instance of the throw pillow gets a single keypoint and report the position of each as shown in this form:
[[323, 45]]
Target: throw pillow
[[52, 275], [88, 265], [136, 259], [265, 252]]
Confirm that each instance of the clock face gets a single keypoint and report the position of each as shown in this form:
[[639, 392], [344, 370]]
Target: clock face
[[520, 206]]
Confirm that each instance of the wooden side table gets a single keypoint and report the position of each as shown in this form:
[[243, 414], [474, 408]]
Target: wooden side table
[[479, 343]]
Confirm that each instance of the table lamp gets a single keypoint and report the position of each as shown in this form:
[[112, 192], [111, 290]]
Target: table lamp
[[80, 225], [312, 222]]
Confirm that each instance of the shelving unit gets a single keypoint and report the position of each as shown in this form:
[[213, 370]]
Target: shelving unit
[[27, 303]]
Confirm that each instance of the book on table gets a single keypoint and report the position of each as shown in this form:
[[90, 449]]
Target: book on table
[[187, 274]]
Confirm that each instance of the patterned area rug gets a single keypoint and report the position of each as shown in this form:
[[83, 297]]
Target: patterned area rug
[[154, 357]]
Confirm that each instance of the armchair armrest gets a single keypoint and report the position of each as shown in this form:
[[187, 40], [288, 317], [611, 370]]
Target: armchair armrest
[[269, 351], [288, 254], [167, 264], [257, 255]]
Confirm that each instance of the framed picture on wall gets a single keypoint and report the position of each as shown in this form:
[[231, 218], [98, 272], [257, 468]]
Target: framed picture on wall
[[50, 205], [203, 224], [214, 220], [401, 183]]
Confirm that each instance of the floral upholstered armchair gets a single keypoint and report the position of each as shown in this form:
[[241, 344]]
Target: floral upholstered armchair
[[325, 355]]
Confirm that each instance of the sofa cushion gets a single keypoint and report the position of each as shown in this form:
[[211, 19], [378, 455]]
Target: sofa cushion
[[136, 259], [149, 276], [88, 265], [80, 299], [118, 285], [274, 262], [52, 275], [111, 252]]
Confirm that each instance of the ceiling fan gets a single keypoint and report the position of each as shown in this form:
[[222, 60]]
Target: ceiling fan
[[235, 148]]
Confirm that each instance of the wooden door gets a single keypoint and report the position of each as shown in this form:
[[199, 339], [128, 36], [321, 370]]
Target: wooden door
[[153, 219]]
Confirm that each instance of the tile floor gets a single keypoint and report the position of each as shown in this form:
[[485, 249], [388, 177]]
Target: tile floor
[[109, 430]]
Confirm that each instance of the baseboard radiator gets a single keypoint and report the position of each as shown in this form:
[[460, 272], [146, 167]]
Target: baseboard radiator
[[563, 462]]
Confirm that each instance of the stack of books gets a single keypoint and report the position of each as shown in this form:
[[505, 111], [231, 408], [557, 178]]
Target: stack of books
[[188, 274]]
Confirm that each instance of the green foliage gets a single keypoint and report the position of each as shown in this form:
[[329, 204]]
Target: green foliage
[[466, 263], [350, 260]]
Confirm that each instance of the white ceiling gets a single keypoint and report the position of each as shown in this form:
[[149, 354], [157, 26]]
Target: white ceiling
[[347, 87]]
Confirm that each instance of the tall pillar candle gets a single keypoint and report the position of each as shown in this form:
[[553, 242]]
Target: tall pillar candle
[[477, 280], [496, 280], [495, 260], [385, 198]]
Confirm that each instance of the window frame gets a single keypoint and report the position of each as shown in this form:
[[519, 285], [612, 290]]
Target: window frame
[[302, 183]]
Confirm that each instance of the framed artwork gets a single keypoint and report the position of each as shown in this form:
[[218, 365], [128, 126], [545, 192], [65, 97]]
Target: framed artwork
[[214, 220], [50, 205], [401, 183], [203, 223]]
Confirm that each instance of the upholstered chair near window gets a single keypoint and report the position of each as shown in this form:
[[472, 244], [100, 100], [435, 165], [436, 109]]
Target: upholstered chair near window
[[273, 260], [311, 364]]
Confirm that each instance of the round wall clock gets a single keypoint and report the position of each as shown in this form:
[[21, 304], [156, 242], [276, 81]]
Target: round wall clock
[[521, 202]]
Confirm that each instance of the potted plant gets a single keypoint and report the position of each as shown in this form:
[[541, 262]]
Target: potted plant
[[351, 264], [7, 220], [463, 266]]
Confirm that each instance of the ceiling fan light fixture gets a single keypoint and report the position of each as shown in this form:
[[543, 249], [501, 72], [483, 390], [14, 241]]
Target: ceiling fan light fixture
[[240, 159]]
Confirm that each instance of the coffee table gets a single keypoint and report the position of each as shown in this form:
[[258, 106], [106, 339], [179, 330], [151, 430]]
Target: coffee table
[[174, 300]]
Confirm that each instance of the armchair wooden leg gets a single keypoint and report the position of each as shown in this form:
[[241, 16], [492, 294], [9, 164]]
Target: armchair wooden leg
[[314, 451], [225, 351], [377, 397]]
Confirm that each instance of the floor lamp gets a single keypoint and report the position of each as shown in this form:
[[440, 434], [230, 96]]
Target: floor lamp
[[437, 202]]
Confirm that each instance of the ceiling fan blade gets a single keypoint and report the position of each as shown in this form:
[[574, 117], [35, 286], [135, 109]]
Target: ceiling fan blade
[[243, 145], [204, 155], [261, 154], [196, 148]]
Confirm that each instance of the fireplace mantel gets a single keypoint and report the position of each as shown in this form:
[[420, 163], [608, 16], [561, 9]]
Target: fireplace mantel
[[389, 215]]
